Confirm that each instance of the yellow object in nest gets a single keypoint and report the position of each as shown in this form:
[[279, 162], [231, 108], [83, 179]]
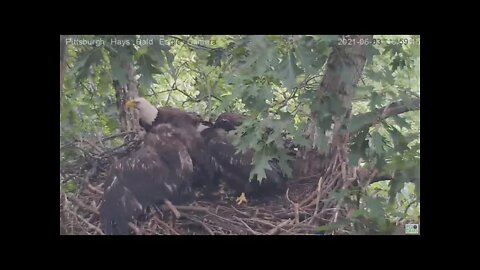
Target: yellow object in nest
[[241, 199]]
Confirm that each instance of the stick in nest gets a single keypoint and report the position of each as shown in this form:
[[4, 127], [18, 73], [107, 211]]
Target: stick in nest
[[248, 227], [204, 226], [295, 207], [173, 209], [159, 221], [79, 203], [240, 212], [94, 189], [278, 227], [90, 225], [317, 201], [135, 229]]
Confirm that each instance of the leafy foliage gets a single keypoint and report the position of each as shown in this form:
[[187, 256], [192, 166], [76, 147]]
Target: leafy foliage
[[272, 79]]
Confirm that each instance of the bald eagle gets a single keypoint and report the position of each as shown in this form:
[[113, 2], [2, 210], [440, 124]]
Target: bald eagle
[[234, 168], [162, 169]]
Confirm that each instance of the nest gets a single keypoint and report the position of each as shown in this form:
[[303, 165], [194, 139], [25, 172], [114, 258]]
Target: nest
[[300, 211]]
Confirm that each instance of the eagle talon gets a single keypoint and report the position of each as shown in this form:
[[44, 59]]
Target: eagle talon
[[241, 199]]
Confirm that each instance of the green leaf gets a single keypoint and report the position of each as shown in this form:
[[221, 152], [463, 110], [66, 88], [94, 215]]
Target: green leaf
[[118, 64], [104, 82], [358, 213], [332, 226], [329, 38], [380, 162], [399, 141], [371, 51], [396, 186], [288, 70], [156, 52], [70, 187], [376, 76], [389, 77], [335, 104], [401, 122], [298, 136], [417, 188], [375, 101], [322, 141], [339, 194], [311, 54], [325, 122], [377, 141], [260, 162], [353, 158], [284, 162], [215, 57], [277, 127], [86, 60], [397, 62], [261, 54], [359, 144], [375, 206], [146, 70], [170, 57], [359, 121]]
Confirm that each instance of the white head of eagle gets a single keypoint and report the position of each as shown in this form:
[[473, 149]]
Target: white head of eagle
[[147, 112]]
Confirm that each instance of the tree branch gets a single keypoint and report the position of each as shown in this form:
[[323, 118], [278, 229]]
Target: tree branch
[[390, 110]]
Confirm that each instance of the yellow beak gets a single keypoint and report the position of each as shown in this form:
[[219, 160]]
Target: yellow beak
[[130, 104]]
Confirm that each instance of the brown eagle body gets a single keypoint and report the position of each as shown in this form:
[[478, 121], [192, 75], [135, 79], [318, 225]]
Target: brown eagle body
[[234, 168], [160, 170], [179, 152], [174, 116], [172, 160]]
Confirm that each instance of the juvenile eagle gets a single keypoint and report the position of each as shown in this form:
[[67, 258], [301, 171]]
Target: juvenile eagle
[[160, 170], [234, 168], [164, 168]]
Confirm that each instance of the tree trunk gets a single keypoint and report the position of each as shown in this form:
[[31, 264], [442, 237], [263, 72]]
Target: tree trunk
[[344, 68], [128, 120], [343, 60]]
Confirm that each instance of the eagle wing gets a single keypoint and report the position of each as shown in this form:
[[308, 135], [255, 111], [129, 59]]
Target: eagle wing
[[234, 168], [161, 170]]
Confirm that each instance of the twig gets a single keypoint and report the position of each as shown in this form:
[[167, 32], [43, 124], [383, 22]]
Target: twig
[[90, 225], [308, 177], [165, 225], [99, 150], [246, 225], [240, 212], [173, 209], [295, 207], [263, 222], [317, 201], [192, 208], [94, 189], [117, 135], [278, 227], [308, 199], [201, 223], [135, 229], [82, 205]]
